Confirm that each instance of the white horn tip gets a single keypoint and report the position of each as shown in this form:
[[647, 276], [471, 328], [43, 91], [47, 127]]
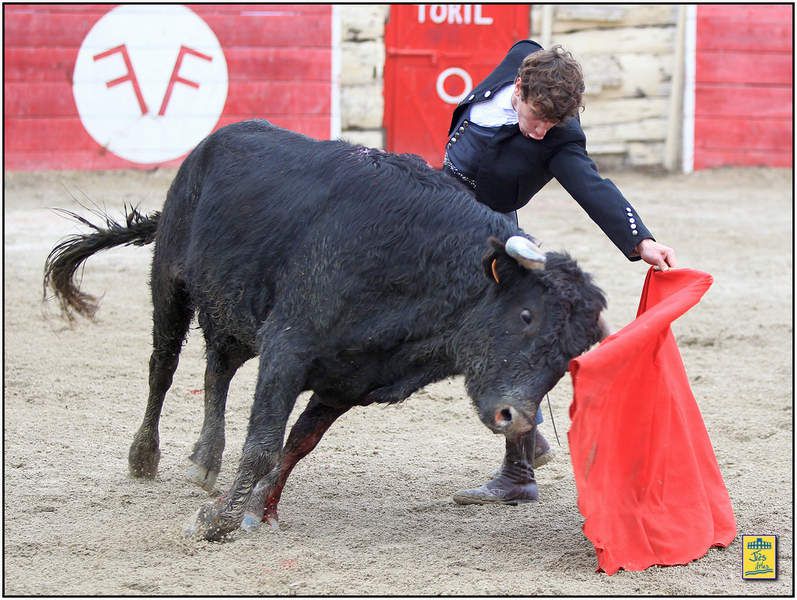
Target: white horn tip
[[525, 252]]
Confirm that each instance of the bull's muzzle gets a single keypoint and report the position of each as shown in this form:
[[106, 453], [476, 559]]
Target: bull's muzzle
[[510, 421]]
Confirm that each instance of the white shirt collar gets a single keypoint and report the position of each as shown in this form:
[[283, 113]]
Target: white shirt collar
[[497, 111]]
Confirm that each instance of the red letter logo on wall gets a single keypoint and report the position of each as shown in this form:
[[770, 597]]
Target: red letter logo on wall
[[150, 82]]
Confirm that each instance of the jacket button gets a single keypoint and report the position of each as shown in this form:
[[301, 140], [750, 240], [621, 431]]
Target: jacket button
[[462, 128], [487, 94], [472, 96]]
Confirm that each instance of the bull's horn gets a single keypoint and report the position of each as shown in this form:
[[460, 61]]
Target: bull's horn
[[525, 252]]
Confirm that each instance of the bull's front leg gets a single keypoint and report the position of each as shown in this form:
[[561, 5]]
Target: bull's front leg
[[303, 438], [280, 380]]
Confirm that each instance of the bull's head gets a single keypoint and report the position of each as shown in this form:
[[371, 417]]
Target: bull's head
[[540, 311]]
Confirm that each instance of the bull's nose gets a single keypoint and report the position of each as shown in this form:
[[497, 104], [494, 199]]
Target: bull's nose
[[509, 420]]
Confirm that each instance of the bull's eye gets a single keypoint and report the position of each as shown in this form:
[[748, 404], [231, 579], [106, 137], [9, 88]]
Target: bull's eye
[[526, 315]]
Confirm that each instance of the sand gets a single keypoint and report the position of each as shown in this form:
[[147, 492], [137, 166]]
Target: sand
[[370, 511]]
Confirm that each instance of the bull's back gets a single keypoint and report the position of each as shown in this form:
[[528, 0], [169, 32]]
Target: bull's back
[[233, 206], [238, 181], [260, 211]]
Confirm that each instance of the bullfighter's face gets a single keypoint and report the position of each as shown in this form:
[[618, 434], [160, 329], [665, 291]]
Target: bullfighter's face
[[531, 124]]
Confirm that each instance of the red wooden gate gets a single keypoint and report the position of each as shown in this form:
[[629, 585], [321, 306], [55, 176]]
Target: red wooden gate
[[743, 85], [435, 54], [271, 61]]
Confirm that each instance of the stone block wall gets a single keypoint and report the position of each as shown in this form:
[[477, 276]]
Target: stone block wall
[[627, 52], [362, 46]]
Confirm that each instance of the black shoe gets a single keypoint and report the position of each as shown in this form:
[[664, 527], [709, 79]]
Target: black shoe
[[542, 451], [513, 484], [498, 491], [542, 454]]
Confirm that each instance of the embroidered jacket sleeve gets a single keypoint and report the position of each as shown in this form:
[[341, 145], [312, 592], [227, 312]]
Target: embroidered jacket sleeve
[[599, 197]]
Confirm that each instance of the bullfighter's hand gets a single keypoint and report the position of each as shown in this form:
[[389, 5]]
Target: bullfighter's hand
[[660, 256]]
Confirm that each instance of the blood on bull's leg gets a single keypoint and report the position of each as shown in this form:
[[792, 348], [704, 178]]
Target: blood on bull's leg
[[206, 457], [280, 380], [308, 430]]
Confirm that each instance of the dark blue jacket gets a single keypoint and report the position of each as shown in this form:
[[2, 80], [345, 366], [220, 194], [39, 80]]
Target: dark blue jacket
[[514, 168]]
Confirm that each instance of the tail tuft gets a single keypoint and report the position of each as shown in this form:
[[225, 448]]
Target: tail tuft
[[67, 257]]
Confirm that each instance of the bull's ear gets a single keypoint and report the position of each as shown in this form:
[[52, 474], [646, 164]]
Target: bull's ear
[[498, 265]]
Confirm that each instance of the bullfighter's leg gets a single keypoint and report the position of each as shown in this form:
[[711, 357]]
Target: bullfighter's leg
[[308, 430], [280, 380], [515, 482], [171, 317], [543, 454], [223, 360]]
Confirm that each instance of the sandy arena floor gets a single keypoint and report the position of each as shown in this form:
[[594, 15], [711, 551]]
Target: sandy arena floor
[[370, 511]]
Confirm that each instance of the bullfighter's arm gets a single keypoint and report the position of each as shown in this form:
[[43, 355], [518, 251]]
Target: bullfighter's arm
[[599, 197]]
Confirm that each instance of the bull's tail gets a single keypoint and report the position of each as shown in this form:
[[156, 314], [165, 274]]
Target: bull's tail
[[65, 259]]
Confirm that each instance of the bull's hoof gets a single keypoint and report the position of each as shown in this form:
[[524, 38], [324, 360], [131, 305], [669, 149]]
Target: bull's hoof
[[510, 494], [143, 458], [211, 524], [201, 476], [250, 523]]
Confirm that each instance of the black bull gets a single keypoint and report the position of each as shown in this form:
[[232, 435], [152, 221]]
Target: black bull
[[354, 273]]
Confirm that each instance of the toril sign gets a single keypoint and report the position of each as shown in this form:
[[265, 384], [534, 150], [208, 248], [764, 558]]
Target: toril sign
[[453, 14]]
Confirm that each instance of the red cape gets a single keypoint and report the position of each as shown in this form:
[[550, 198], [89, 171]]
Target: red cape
[[648, 483]]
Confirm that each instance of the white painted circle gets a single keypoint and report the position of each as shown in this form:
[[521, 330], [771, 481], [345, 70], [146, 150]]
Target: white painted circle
[[129, 124], [441, 80]]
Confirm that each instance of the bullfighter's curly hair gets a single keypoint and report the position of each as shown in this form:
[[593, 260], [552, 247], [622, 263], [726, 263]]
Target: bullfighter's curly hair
[[553, 81]]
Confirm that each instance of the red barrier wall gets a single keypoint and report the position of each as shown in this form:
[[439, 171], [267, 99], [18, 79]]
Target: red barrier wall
[[434, 52], [278, 67], [743, 85]]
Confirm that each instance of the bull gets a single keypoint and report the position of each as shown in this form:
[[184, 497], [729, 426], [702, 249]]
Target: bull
[[357, 274]]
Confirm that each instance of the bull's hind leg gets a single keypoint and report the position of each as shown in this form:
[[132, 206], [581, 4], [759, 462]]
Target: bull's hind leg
[[171, 317], [223, 360], [303, 438]]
